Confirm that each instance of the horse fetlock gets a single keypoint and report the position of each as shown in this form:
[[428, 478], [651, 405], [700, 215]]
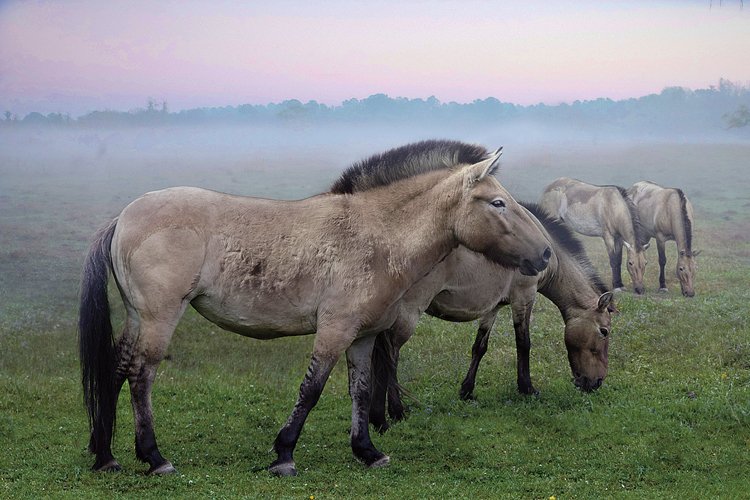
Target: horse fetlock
[[381, 462], [165, 468], [111, 465], [370, 456], [467, 392], [282, 469]]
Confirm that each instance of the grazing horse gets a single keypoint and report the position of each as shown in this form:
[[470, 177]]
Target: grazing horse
[[466, 286], [666, 214], [605, 211], [335, 265]]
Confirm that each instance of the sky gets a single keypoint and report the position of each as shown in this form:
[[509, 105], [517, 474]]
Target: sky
[[78, 56]]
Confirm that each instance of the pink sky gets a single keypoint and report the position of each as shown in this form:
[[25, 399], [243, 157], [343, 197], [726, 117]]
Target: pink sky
[[80, 55]]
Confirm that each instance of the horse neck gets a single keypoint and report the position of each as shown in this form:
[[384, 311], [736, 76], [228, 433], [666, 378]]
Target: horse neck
[[567, 284], [419, 232]]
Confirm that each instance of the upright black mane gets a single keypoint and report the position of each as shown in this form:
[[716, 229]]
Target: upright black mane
[[640, 237], [565, 238], [407, 161], [686, 222]]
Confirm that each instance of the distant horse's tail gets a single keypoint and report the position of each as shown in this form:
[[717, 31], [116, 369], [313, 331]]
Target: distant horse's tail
[[96, 342], [385, 377]]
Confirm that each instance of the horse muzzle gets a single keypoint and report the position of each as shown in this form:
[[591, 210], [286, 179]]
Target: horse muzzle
[[587, 384], [532, 267]]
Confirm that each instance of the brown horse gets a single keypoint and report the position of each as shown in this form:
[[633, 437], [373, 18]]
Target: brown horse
[[335, 265], [605, 211], [666, 214], [466, 286]]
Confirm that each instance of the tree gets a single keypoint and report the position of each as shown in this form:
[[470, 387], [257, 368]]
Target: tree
[[740, 118]]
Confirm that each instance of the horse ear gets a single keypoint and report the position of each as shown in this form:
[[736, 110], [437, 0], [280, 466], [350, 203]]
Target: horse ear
[[605, 301], [480, 170]]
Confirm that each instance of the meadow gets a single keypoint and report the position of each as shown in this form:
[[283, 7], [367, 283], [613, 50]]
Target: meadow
[[671, 420]]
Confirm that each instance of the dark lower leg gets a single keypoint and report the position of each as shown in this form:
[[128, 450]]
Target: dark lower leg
[[146, 449], [382, 368], [309, 393], [615, 263], [396, 408], [662, 263], [478, 351], [523, 348], [358, 360]]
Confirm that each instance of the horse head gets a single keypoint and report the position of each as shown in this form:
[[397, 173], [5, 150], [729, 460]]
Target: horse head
[[686, 271], [489, 221], [587, 342], [637, 265]]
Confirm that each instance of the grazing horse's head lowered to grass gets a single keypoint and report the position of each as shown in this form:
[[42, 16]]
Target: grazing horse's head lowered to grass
[[336, 264]]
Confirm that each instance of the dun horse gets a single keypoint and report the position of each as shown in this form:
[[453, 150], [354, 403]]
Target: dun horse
[[466, 286], [334, 264], [605, 211], [666, 214]]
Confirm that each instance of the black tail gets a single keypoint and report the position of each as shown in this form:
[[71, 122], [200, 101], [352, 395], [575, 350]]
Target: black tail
[[383, 362], [96, 343]]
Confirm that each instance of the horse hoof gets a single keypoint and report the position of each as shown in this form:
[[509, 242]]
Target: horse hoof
[[283, 469], [619, 289], [380, 462], [663, 289], [111, 466], [165, 468]]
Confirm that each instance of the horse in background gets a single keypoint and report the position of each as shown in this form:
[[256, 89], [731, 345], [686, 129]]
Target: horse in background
[[336, 265], [466, 287], [605, 211], [667, 215]]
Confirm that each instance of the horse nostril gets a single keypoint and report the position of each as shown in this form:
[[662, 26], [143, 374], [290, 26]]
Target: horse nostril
[[547, 254]]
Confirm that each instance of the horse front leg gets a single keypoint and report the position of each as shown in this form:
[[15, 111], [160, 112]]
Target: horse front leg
[[521, 325], [478, 350], [662, 263], [358, 359], [614, 251], [321, 364]]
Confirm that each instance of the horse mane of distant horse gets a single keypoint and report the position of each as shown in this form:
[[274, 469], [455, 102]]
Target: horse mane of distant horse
[[565, 236], [407, 161], [640, 238], [686, 222]]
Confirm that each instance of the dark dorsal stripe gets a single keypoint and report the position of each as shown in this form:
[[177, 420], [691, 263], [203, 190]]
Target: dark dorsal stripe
[[640, 237], [566, 240], [407, 161], [686, 222]]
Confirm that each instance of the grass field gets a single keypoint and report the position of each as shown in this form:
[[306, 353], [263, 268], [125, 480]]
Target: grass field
[[671, 420]]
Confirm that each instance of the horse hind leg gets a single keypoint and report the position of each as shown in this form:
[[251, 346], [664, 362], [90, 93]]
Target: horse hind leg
[[152, 345]]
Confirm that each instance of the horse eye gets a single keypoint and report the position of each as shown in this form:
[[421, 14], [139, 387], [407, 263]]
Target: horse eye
[[682, 268], [498, 203], [604, 331], [630, 262]]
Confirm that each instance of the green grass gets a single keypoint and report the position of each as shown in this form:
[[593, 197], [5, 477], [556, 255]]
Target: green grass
[[672, 419]]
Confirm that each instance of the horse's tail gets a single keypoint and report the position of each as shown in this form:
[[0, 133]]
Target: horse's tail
[[96, 342]]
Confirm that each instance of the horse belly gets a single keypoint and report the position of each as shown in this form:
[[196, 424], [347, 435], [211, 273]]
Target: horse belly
[[257, 318], [582, 220]]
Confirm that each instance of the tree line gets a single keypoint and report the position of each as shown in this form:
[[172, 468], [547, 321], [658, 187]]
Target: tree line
[[723, 106]]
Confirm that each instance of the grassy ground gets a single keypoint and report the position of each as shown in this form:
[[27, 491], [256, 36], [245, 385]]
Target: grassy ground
[[672, 419]]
